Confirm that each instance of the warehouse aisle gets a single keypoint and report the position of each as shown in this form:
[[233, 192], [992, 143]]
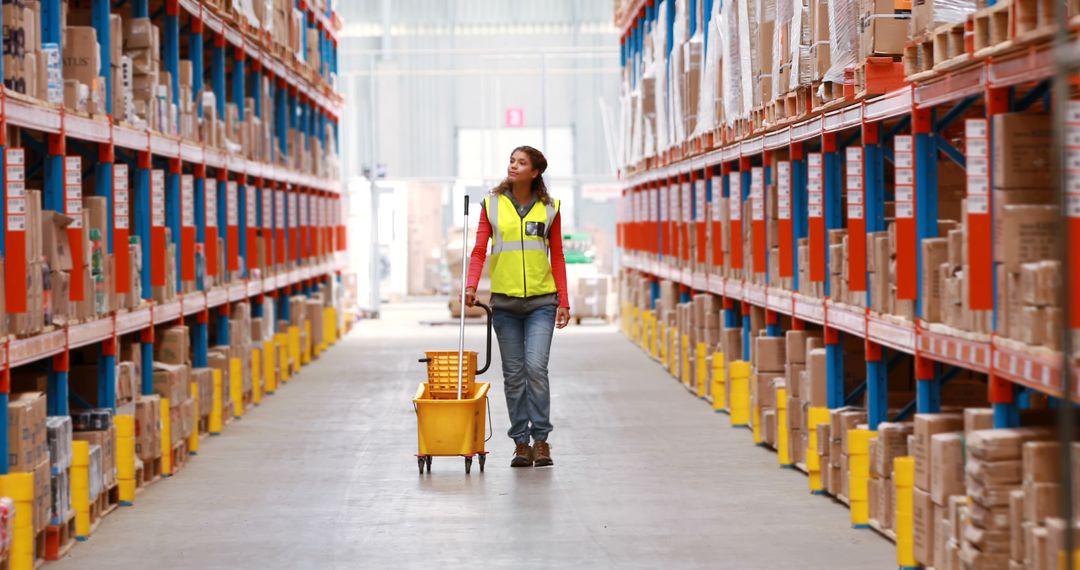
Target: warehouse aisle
[[323, 476]]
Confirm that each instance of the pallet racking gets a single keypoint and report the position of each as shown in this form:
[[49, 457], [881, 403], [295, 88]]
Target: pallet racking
[[297, 211]]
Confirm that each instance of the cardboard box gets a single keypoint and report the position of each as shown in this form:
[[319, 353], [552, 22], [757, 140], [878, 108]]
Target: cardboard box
[[1040, 282], [82, 59], [924, 528], [1025, 233], [947, 469], [1042, 501], [978, 419], [1020, 159], [796, 345], [107, 440], [769, 354], [1041, 461], [935, 251], [171, 381], [27, 434], [1016, 524], [148, 427], [42, 495], [926, 426], [892, 443], [1005, 443]]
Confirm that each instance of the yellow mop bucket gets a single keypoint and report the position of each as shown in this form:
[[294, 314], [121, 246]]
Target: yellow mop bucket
[[450, 406]]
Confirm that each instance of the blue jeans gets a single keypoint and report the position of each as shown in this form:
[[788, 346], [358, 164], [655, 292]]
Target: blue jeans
[[525, 343]]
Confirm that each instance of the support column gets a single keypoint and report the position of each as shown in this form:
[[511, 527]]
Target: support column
[[927, 387], [834, 363], [223, 325], [107, 373], [172, 214], [146, 354], [746, 330], [59, 366], [877, 386], [772, 323], [142, 221], [201, 346]]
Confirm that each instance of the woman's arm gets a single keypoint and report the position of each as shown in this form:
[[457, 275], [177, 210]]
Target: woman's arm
[[558, 261], [479, 252]]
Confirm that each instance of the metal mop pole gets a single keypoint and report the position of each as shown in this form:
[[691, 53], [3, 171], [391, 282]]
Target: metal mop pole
[[461, 331]]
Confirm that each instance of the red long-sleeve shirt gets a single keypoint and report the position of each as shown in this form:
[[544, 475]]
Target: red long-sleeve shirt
[[558, 260]]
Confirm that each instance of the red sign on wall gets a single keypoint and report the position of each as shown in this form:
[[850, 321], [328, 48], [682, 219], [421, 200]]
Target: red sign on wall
[[515, 117]]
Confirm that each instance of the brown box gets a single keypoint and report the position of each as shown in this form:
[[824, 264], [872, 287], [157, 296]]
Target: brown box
[[1016, 524], [1005, 443], [947, 470], [997, 473], [816, 364], [1019, 156], [883, 36], [892, 443], [1040, 282], [171, 381], [27, 435], [935, 251], [793, 374], [769, 354], [148, 427], [42, 495], [82, 59], [1025, 233], [1041, 501], [924, 528], [1042, 461], [926, 426], [107, 440], [977, 419], [796, 345]]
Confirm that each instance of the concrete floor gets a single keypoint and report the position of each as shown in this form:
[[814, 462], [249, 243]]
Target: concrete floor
[[322, 475]]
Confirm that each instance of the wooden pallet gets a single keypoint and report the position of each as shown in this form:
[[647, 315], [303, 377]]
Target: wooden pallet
[[1034, 19], [886, 532], [151, 472], [951, 46], [39, 548], [993, 28], [112, 499], [180, 455], [60, 538]]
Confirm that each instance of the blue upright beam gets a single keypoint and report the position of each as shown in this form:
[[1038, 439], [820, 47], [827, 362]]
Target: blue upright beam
[[239, 76], [172, 212], [834, 370], [200, 346], [217, 74], [171, 50], [146, 354], [141, 197], [832, 170], [107, 376], [799, 210], [242, 222], [99, 18], [223, 326], [140, 8], [281, 107], [200, 217], [926, 190], [195, 53], [746, 334], [877, 386]]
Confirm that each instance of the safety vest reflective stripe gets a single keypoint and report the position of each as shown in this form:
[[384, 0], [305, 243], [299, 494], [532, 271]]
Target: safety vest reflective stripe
[[527, 245]]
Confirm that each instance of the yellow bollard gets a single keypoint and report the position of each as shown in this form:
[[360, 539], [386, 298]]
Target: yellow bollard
[[783, 446], [166, 439], [80, 487], [755, 411], [330, 318], [294, 348], [740, 393], [815, 416], [701, 372], [719, 382], [661, 347], [20, 488], [125, 458], [904, 521], [256, 376], [281, 343], [269, 374], [684, 371], [305, 348], [236, 386], [193, 439], [216, 404], [673, 351], [859, 476], [654, 341]]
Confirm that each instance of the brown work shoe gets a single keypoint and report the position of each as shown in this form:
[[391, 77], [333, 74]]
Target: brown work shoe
[[542, 454], [522, 456]]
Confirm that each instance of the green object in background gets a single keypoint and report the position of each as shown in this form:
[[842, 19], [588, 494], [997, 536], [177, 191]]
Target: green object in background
[[578, 248]]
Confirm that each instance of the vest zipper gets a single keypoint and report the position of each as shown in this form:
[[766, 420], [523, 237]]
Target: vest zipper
[[524, 274]]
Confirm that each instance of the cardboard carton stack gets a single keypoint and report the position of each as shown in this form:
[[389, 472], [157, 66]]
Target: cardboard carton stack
[[926, 428], [794, 369], [142, 46], [891, 442], [994, 469], [769, 374], [1034, 504], [841, 420], [29, 67], [172, 380], [28, 449], [1025, 229]]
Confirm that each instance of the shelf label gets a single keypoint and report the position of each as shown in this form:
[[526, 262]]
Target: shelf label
[[757, 194], [293, 223], [187, 201], [15, 191], [979, 224], [267, 208], [121, 197], [1072, 201], [279, 209], [251, 206], [663, 203], [73, 190], [304, 220], [232, 215], [157, 198], [211, 202]]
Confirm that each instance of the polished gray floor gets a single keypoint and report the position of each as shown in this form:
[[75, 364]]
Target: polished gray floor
[[322, 475]]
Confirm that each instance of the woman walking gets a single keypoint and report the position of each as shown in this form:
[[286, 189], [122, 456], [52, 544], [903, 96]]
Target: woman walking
[[528, 295]]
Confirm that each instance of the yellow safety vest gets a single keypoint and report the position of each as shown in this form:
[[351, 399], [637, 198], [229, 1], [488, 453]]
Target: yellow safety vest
[[519, 247]]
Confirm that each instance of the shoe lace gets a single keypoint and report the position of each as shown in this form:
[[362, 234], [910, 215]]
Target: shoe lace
[[522, 449], [542, 448]]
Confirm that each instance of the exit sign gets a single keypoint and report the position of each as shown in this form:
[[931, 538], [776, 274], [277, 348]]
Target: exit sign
[[515, 117]]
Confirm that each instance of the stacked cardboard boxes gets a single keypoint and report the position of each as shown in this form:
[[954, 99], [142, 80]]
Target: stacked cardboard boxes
[[794, 370], [841, 421], [891, 442], [769, 375]]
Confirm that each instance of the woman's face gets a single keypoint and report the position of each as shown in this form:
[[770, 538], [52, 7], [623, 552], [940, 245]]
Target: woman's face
[[520, 168]]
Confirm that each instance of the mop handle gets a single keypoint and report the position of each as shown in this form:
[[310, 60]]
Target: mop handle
[[461, 331]]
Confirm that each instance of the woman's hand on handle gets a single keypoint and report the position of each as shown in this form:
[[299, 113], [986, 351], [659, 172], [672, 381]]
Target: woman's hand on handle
[[470, 297], [562, 317]]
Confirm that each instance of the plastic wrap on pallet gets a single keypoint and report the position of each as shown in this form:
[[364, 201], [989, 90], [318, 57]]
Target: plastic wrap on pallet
[[930, 15], [60, 496], [58, 434], [801, 69], [843, 38], [7, 514], [706, 113], [659, 69], [97, 482], [738, 88], [676, 70]]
